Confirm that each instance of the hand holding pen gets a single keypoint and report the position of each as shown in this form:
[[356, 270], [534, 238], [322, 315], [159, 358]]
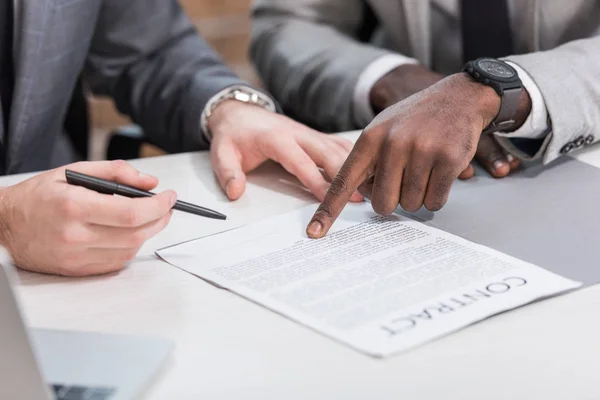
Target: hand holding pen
[[80, 231], [111, 187]]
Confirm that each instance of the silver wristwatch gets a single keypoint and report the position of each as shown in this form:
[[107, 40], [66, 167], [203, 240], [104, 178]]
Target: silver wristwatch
[[239, 93]]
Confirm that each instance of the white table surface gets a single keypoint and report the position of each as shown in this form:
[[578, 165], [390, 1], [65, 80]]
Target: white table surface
[[230, 348]]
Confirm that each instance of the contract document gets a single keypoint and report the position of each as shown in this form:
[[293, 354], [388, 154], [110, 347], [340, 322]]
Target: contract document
[[378, 284]]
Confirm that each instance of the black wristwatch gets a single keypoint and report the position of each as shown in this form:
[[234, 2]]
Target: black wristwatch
[[504, 79]]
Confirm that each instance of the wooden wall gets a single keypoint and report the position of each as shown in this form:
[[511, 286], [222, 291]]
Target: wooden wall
[[224, 24]]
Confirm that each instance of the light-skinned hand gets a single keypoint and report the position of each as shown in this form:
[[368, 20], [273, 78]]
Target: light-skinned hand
[[245, 136], [52, 227]]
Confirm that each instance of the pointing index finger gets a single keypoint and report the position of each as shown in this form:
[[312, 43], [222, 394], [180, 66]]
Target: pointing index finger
[[351, 175]]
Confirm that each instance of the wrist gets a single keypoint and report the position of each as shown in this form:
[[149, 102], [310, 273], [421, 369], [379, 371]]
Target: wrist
[[227, 113], [523, 110], [241, 95], [219, 117], [484, 99], [488, 101], [400, 83]]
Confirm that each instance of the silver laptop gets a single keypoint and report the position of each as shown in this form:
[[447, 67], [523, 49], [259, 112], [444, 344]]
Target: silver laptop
[[65, 365]]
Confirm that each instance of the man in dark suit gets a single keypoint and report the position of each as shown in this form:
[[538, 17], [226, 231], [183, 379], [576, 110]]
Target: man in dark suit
[[147, 56]]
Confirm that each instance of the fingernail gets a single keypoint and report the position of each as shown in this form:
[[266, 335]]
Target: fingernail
[[314, 229], [173, 199], [510, 158], [498, 164]]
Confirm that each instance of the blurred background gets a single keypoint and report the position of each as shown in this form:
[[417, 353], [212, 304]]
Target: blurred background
[[225, 24]]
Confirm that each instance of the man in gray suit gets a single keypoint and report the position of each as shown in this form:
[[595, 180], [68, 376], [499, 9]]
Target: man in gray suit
[[148, 57], [529, 82]]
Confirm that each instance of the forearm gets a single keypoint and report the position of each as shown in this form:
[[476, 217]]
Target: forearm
[[400, 83], [163, 78], [170, 93], [409, 79], [311, 68], [565, 77]]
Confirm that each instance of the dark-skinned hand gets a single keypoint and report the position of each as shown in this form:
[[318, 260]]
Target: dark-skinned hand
[[412, 152], [408, 79]]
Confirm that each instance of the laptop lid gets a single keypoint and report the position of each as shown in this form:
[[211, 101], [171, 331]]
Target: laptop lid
[[20, 376]]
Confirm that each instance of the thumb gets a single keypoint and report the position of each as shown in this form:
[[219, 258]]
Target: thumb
[[492, 157], [117, 170], [227, 164]]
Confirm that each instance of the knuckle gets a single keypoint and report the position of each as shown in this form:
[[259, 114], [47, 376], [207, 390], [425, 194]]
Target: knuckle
[[68, 236], [394, 142], [340, 140], [370, 139], [339, 186], [136, 239], [71, 209], [426, 148], [304, 164], [324, 212], [130, 217], [119, 166], [335, 153], [453, 157]]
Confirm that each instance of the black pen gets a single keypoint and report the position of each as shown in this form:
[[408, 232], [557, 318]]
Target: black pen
[[110, 187]]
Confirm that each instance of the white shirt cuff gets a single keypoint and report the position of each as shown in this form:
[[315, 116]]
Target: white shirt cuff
[[536, 124], [363, 111]]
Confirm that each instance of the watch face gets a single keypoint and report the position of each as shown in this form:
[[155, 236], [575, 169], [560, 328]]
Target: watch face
[[496, 69]]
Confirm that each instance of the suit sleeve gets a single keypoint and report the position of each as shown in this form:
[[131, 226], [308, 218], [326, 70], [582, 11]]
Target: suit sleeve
[[567, 77], [149, 58], [310, 59]]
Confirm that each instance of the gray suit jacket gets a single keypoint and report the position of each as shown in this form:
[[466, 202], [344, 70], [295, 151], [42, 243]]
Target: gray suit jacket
[[145, 54], [310, 57]]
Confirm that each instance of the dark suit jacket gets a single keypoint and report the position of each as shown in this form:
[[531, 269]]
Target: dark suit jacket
[[145, 54]]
